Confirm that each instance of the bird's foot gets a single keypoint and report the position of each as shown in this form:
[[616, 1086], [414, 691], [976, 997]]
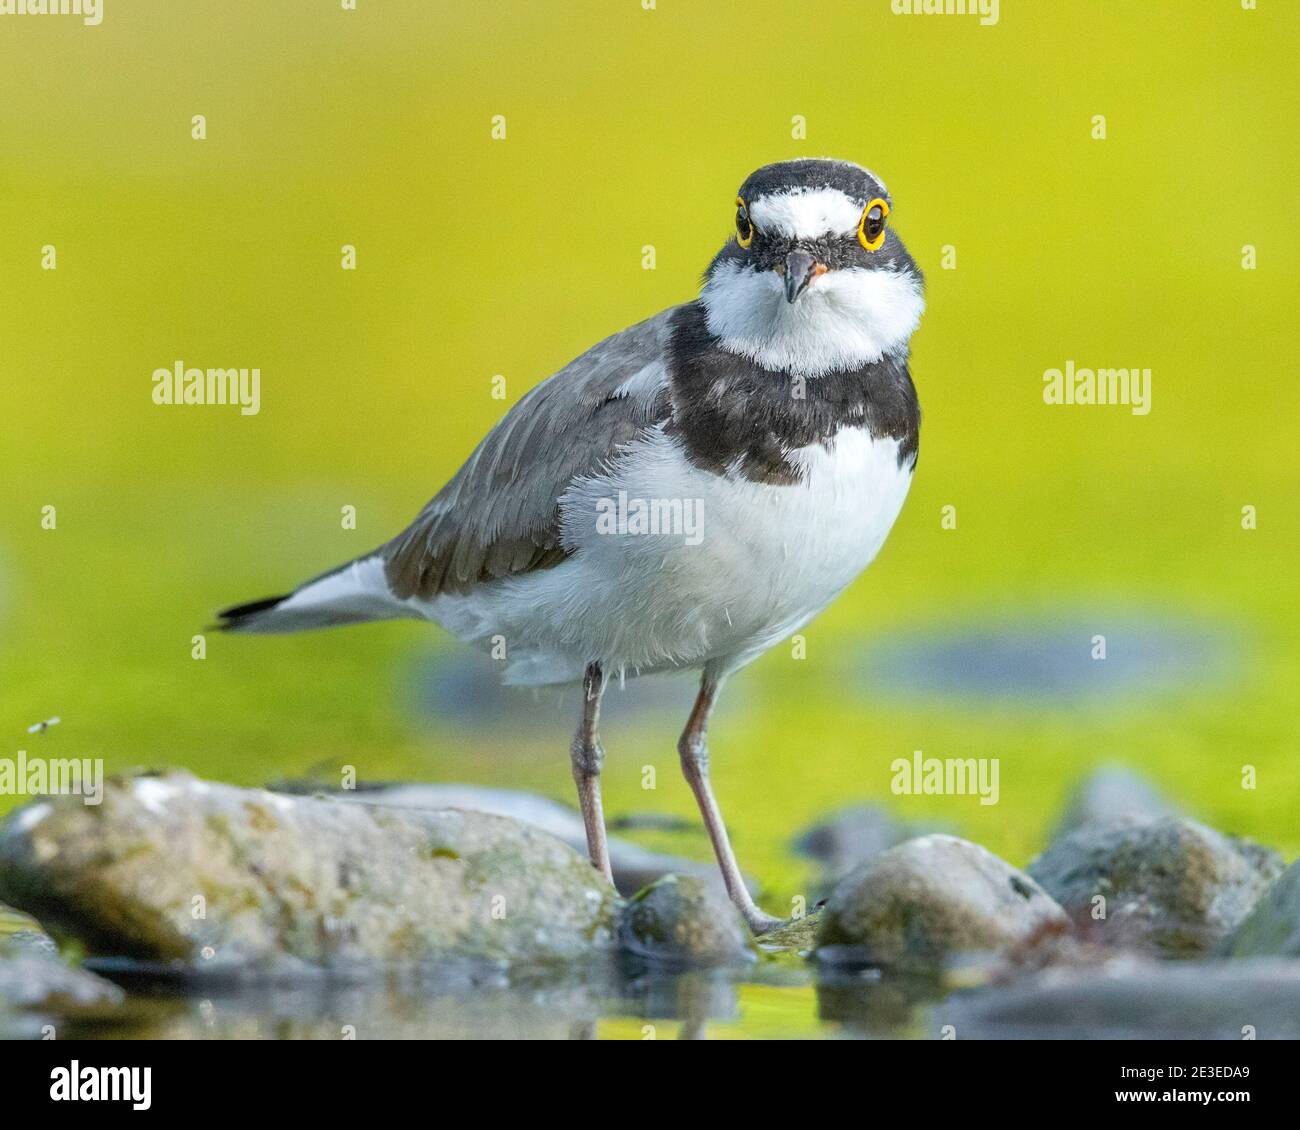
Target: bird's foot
[[760, 923]]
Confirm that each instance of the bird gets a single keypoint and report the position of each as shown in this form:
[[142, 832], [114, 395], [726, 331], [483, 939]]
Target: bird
[[686, 494]]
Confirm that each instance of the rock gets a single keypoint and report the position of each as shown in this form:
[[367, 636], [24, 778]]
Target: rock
[[682, 921], [1112, 795], [634, 866], [1129, 1000], [921, 903], [1061, 946], [1273, 925], [1172, 886], [23, 930], [34, 977], [210, 878], [850, 836], [31, 977]]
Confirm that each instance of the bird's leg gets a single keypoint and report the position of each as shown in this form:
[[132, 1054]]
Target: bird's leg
[[694, 751], [588, 756]]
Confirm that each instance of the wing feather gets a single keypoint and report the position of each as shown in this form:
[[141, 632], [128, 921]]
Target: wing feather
[[499, 515]]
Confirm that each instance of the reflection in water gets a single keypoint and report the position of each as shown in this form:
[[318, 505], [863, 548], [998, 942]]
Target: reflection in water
[[630, 1000], [779, 998], [873, 1004]]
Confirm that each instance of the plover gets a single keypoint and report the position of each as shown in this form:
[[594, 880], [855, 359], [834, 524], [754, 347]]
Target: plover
[[776, 408]]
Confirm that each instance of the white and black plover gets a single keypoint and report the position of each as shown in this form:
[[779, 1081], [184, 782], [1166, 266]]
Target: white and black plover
[[775, 412]]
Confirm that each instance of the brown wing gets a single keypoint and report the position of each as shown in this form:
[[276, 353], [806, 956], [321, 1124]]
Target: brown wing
[[500, 516]]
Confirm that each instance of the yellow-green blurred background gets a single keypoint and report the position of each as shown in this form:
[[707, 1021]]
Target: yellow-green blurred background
[[478, 257]]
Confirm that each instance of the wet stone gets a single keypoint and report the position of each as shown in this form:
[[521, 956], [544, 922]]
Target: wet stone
[[1173, 886], [926, 901], [681, 920], [1273, 925], [202, 878]]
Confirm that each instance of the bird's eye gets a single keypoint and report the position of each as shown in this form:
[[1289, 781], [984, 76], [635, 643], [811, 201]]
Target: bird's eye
[[744, 225], [871, 228]]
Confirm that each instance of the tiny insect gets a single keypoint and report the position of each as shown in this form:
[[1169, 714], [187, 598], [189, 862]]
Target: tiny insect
[[41, 727]]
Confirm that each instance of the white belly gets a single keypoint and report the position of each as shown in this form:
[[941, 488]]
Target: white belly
[[755, 564]]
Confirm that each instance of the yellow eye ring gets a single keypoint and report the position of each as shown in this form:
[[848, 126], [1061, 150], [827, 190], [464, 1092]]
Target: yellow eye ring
[[871, 229], [744, 225]]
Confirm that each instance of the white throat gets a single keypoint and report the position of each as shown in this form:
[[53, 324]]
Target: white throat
[[847, 318]]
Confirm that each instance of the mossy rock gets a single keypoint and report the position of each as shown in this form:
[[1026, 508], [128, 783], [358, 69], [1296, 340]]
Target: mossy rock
[[927, 901], [205, 877], [1173, 887], [683, 920]]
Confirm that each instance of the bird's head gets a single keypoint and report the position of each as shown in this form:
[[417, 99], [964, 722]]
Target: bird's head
[[814, 279]]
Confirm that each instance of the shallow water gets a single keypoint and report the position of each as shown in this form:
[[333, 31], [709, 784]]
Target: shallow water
[[776, 999]]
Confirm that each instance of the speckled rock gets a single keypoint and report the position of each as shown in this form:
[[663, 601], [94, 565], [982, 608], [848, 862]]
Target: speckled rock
[[1171, 886], [1113, 795], [928, 900], [682, 920], [634, 866], [210, 878], [1273, 925]]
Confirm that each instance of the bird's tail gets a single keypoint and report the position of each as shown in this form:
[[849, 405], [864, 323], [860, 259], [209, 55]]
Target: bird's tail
[[351, 594]]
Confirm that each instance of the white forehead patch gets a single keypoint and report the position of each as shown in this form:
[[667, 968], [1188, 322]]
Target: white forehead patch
[[806, 213]]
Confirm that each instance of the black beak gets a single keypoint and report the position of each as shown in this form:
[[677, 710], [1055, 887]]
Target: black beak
[[800, 267]]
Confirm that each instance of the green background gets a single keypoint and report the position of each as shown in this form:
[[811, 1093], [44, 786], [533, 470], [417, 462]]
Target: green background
[[477, 257]]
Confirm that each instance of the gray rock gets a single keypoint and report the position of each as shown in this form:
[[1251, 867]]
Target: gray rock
[[23, 931], [634, 867], [205, 877], [1132, 1000], [1173, 886], [682, 921], [34, 977], [1273, 925], [850, 836], [924, 902], [1113, 795]]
